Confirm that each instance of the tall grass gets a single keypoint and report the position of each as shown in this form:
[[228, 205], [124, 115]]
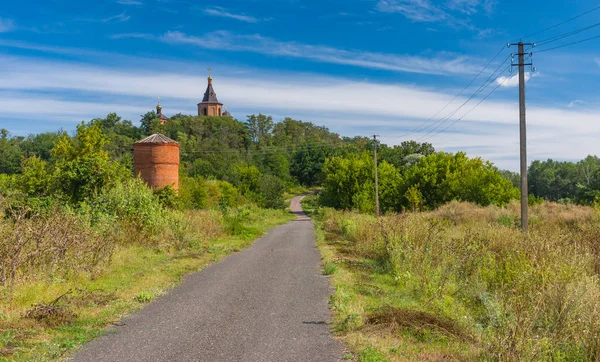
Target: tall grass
[[520, 297]]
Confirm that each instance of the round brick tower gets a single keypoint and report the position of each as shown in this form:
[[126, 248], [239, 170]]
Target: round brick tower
[[156, 160]]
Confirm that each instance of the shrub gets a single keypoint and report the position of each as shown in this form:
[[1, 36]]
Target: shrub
[[130, 202], [270, 189], [193, 192]]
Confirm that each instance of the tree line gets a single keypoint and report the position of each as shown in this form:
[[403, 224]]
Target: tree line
[[224, 160]]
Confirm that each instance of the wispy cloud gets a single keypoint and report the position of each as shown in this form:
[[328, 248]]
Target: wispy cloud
[[129, 2], [132, 35], [513, 81], [119, 18], [224, 13], [417, 10], [439, 64], [576, 102], [454, 13], [73, 91], [7, 25]]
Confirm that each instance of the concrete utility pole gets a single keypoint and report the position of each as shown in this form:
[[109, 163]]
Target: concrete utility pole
[[523, 135], [376, 179]]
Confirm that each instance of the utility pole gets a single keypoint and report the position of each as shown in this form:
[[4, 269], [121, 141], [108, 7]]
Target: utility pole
[[523, 134], [376, 179]]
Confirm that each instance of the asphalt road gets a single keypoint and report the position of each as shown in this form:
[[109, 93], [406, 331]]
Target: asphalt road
[[266, 303]]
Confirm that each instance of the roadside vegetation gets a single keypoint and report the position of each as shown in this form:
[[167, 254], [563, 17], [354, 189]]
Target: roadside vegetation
[[445, 273], [463, 283]]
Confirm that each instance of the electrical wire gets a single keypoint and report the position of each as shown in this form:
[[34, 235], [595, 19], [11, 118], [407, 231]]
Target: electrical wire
[[424, 125], [561, 23], [568, 44], [484, 85], [477, 105], [565, 35]]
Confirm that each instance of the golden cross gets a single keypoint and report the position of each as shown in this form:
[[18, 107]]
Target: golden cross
[[210, 71]]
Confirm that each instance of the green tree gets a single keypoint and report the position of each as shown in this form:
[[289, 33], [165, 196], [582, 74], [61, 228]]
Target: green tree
[[10, 153], [83, 166], [271, 189], [259, 128], [35, 179], [350, 183], [443, 177]]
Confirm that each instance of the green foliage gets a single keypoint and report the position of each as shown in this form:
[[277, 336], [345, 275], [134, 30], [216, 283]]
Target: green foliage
[[35, 179], [193, 192], [443, 177], [247, 179], [407, 153], [307, 163], [83, 167], [167, 196], [576, 182], [130, 201], [329, 268], [10, 153], [270, 191]]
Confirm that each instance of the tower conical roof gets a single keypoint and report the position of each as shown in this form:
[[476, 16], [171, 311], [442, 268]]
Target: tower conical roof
[[157, 138], [210, 96]]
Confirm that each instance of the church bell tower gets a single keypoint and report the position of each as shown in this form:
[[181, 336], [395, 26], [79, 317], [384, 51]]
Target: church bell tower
[[210, 105]]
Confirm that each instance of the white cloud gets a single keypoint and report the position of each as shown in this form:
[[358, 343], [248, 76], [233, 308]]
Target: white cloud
[[7, 25], [119, 18], [512, 81], [417, 10], [222, 12], [75, 91], [441, 64], [575, 103], [454, 13]]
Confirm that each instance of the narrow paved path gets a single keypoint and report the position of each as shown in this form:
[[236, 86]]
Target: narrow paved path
[[266, 303]]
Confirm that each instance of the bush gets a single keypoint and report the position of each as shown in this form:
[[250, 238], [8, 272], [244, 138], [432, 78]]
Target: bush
[[193, 192], [130, 202], [270, 190]]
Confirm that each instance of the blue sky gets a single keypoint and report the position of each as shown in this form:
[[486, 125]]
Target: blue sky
[[358, 67]]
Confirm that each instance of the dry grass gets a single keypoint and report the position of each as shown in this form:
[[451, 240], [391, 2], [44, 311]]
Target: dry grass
[[55, 245], [521, 297]]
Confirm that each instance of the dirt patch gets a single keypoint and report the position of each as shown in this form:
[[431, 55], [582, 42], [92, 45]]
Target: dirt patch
[[397, 318]]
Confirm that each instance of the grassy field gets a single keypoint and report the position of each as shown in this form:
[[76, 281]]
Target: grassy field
[[463, 283], [46, 315]]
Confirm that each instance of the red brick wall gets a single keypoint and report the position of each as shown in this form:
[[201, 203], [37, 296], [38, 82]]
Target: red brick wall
[[157, 164]]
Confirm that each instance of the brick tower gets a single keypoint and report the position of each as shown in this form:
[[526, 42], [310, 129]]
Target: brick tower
[[156, 160], [210, 105]]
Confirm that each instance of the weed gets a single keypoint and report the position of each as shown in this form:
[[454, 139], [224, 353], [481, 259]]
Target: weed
[[370, 354], [143, 297], [329, 268]]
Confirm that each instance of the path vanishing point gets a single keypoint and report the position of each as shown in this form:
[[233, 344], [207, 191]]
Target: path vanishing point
[[265, 303]]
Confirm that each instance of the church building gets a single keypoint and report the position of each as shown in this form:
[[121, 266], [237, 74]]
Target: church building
[[210, 105]]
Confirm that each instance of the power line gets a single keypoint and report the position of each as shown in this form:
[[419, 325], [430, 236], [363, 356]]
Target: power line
[[565, 35], [568, 44], [469, 111], [561, 23], [424, 125], [484, 85]]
